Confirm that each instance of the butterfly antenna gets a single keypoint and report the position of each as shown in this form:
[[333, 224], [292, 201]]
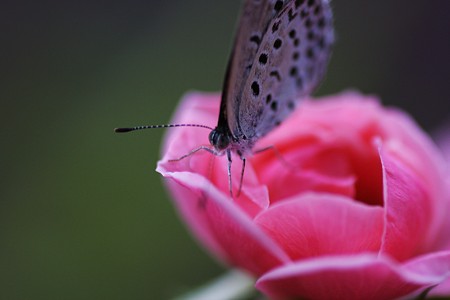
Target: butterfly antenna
[[128, 129]]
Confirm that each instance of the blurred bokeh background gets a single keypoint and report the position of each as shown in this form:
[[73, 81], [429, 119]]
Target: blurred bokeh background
[[83, 213]]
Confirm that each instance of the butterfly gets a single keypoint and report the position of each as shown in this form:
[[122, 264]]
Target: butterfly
[[280, 54]]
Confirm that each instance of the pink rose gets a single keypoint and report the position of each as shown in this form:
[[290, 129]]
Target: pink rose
[[362, 211]]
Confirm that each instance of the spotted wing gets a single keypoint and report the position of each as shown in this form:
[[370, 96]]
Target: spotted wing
[[256, 17], [289, 63]]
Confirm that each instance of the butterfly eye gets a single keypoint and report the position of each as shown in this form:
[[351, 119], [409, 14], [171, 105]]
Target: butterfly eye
[[219, 140]]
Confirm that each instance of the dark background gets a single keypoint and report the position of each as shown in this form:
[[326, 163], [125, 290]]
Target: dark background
[[83, 215]]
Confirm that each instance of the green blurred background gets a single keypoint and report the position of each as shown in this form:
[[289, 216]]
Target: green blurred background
[[83, 213]]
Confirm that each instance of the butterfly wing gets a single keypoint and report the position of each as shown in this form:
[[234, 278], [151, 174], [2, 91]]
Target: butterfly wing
[[255, 18], [287, 65]]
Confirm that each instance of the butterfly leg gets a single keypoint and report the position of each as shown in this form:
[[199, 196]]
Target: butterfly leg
[[242, 177], [229, 172], [277, 154], [203, 198], [206, 148]]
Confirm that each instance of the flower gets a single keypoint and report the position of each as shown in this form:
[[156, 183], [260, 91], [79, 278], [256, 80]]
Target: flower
[[353, 204]]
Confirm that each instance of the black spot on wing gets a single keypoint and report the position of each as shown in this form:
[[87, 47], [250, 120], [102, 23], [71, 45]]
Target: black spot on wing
[[275, 26], [275, 74], [277, 43], [317, 10], [293, 71], [278, 6], [304, 13], [255, 39], [274, 106], [255, 88], [292, 33], [291, 15], [263, 58]]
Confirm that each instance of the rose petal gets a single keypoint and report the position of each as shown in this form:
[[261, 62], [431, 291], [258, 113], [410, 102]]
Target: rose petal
[[417, 149], [414, 149], [305, 169], [407, 207], [443, 235], [221, 225], [442, 289], [362, 276], [195, 218], [322, 224], [436, 266], [333, 143]]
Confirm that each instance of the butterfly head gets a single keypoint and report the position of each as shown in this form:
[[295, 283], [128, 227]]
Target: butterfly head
[[219, 139]]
